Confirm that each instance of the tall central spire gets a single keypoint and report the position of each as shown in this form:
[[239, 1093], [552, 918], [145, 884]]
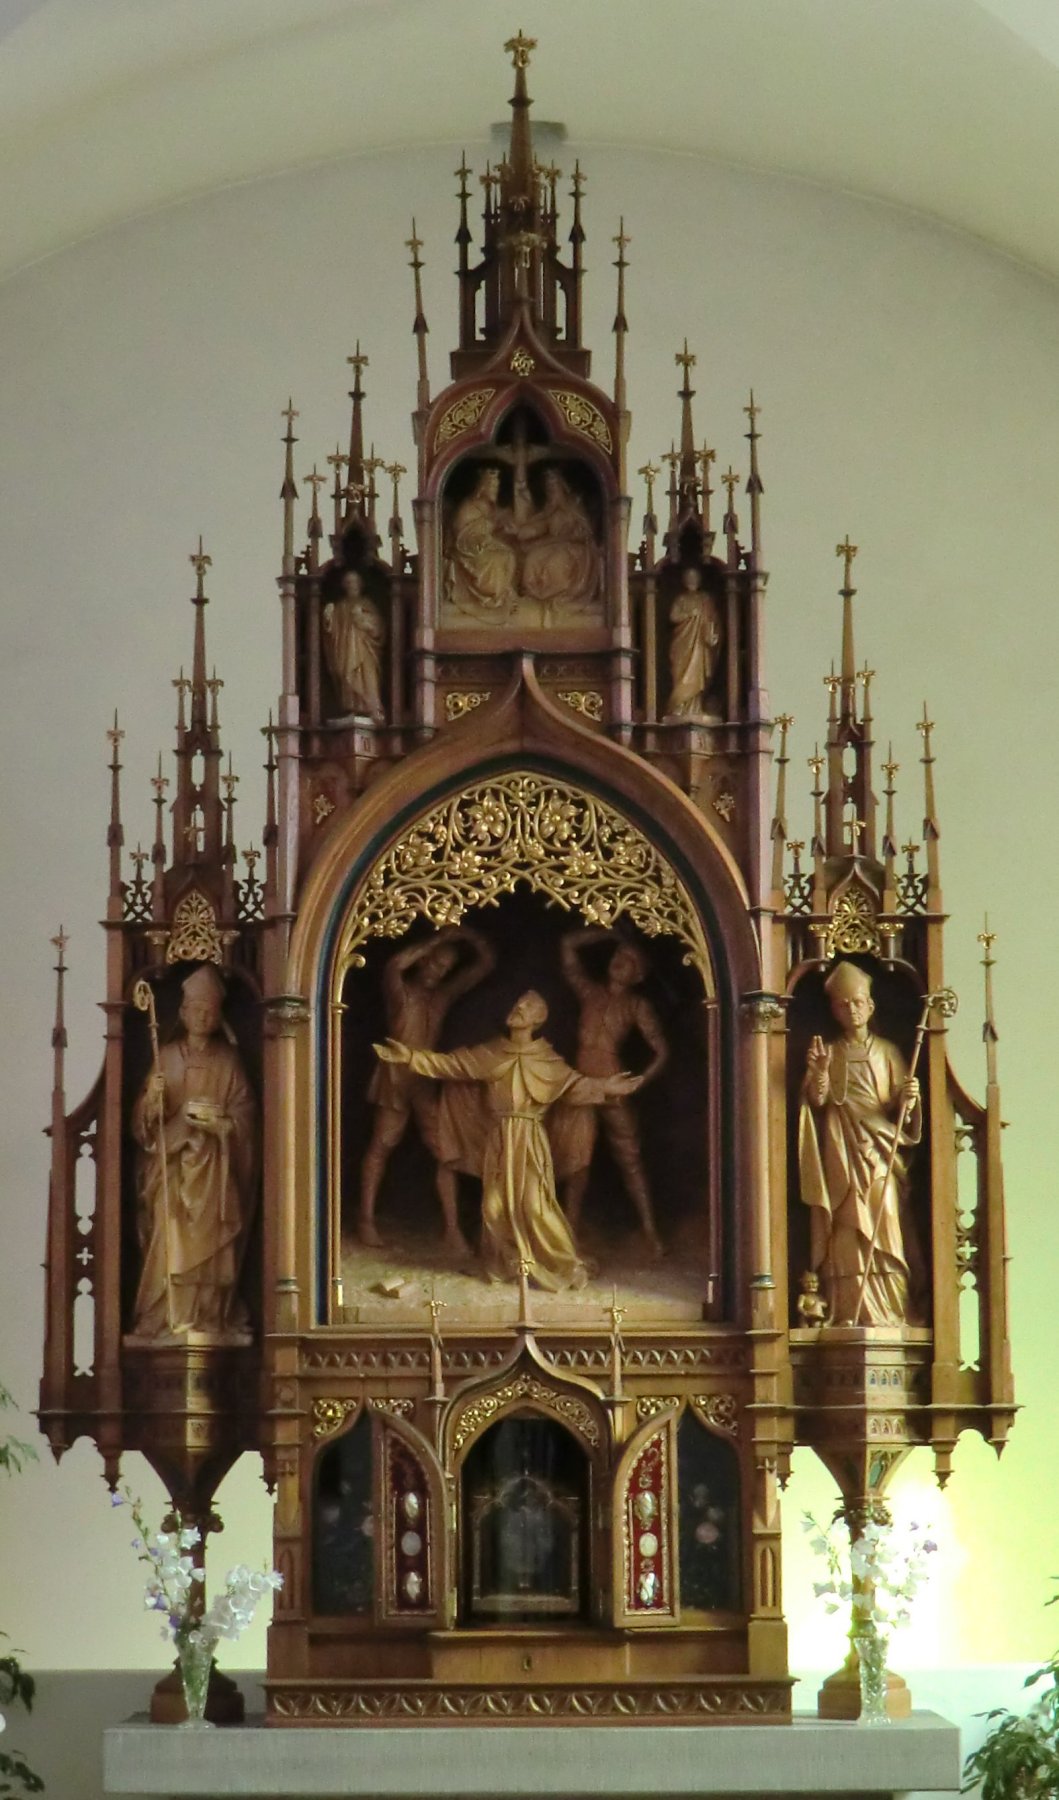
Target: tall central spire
[[519, 173]]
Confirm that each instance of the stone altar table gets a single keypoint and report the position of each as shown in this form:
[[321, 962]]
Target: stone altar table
[[809, 1757]]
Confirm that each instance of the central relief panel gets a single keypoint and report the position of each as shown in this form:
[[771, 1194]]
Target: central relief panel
[[523, 1069]]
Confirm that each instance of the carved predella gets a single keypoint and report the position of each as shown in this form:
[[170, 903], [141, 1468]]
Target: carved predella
[[546, 1133]]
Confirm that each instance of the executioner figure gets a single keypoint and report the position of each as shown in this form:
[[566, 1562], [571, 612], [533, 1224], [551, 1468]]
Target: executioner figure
[[353, 637], [611, 1012], [419, 986], [854, 1170], [693, 645], [195, 1122], [498, 1132]]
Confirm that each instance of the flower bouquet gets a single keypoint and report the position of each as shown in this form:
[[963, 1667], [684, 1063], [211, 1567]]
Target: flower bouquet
[[175, 1588], [877, 1578]]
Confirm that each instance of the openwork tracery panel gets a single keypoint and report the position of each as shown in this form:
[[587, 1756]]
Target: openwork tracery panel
[[566, 844]]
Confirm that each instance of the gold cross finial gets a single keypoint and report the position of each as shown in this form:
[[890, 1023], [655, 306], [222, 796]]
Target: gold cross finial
[[357, 361], [706, 457], [231, 782], [890, 769], [518, 48], [816, 763], [832, 682], [201, 562], [395, 470], [552, 173], [623, 240], [415, 244], [114, 735], [672, 457], [159, 783], [336, 459], [60, 943], [796, 846], [463, 171], [182, 685], [925, 726], [139, 857], [649, 471], [251, 858], [785, 721], [752, 411], [686, 360], [315, 481], [729, 479], [987, 939], [849, 551], [854, 826], [911, 851], [290, 413]]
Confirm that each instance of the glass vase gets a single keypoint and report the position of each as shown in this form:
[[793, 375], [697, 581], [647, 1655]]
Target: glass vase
[[195, 1658], [871, 1646]]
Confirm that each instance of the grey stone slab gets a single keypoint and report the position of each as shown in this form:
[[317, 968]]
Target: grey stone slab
[[807, 1757]]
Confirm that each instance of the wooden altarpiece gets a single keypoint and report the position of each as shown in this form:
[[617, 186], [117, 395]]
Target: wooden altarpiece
[[525, 1345]]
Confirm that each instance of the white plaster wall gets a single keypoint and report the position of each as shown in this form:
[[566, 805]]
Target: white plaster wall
[[909, 380]]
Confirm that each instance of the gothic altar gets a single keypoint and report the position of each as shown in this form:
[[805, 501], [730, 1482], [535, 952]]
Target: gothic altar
[[538, 1141]]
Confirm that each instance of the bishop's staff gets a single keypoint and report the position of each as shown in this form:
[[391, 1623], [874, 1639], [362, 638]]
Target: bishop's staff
[[143, 1000], [945, 1002]]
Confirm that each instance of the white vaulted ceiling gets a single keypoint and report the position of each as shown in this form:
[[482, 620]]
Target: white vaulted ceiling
[[110, 108]]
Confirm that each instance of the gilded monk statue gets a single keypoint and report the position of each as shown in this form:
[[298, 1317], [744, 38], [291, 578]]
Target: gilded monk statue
[[497, 1132], [195, 1122], [419, 985], [611, 1012], [847, 1132]]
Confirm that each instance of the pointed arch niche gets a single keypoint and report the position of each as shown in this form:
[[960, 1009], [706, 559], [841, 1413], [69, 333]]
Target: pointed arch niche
[[523, 857]]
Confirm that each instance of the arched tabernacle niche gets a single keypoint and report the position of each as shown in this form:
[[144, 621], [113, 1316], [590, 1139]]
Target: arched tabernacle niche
[[511, 830]]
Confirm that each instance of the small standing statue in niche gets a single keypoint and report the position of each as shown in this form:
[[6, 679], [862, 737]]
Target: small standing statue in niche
[[854, 1171], [499, 1132], [481, 567], [561, 566], [195, 1122], [611, 1012], [419, 985], [354, 634], [693, 645]]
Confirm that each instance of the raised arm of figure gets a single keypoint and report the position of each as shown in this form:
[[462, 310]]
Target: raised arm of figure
[[480, 963], [570, 947]]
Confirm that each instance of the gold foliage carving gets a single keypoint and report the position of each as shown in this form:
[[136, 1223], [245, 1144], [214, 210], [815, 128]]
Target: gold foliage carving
[[583, 700], [584, 417], [398, 1409], [853, 929], [329, 1415], [483, 1410], [569, 846], [719, 1410], [522, 362], [650, 1405], [458, 705], [461, 415], [194, 937]]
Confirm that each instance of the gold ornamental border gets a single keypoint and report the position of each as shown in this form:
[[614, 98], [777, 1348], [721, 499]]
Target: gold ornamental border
[[479, 844], [480, 1412]]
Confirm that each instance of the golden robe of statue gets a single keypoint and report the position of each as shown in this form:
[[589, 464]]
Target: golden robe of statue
[[197, 1114], [481, 566], [561, 564], [497, 1131], [693, 645], [847, 1140], [353, 637]]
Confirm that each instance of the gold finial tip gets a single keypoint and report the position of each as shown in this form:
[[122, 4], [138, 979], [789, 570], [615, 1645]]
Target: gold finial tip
[[519, 48]]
